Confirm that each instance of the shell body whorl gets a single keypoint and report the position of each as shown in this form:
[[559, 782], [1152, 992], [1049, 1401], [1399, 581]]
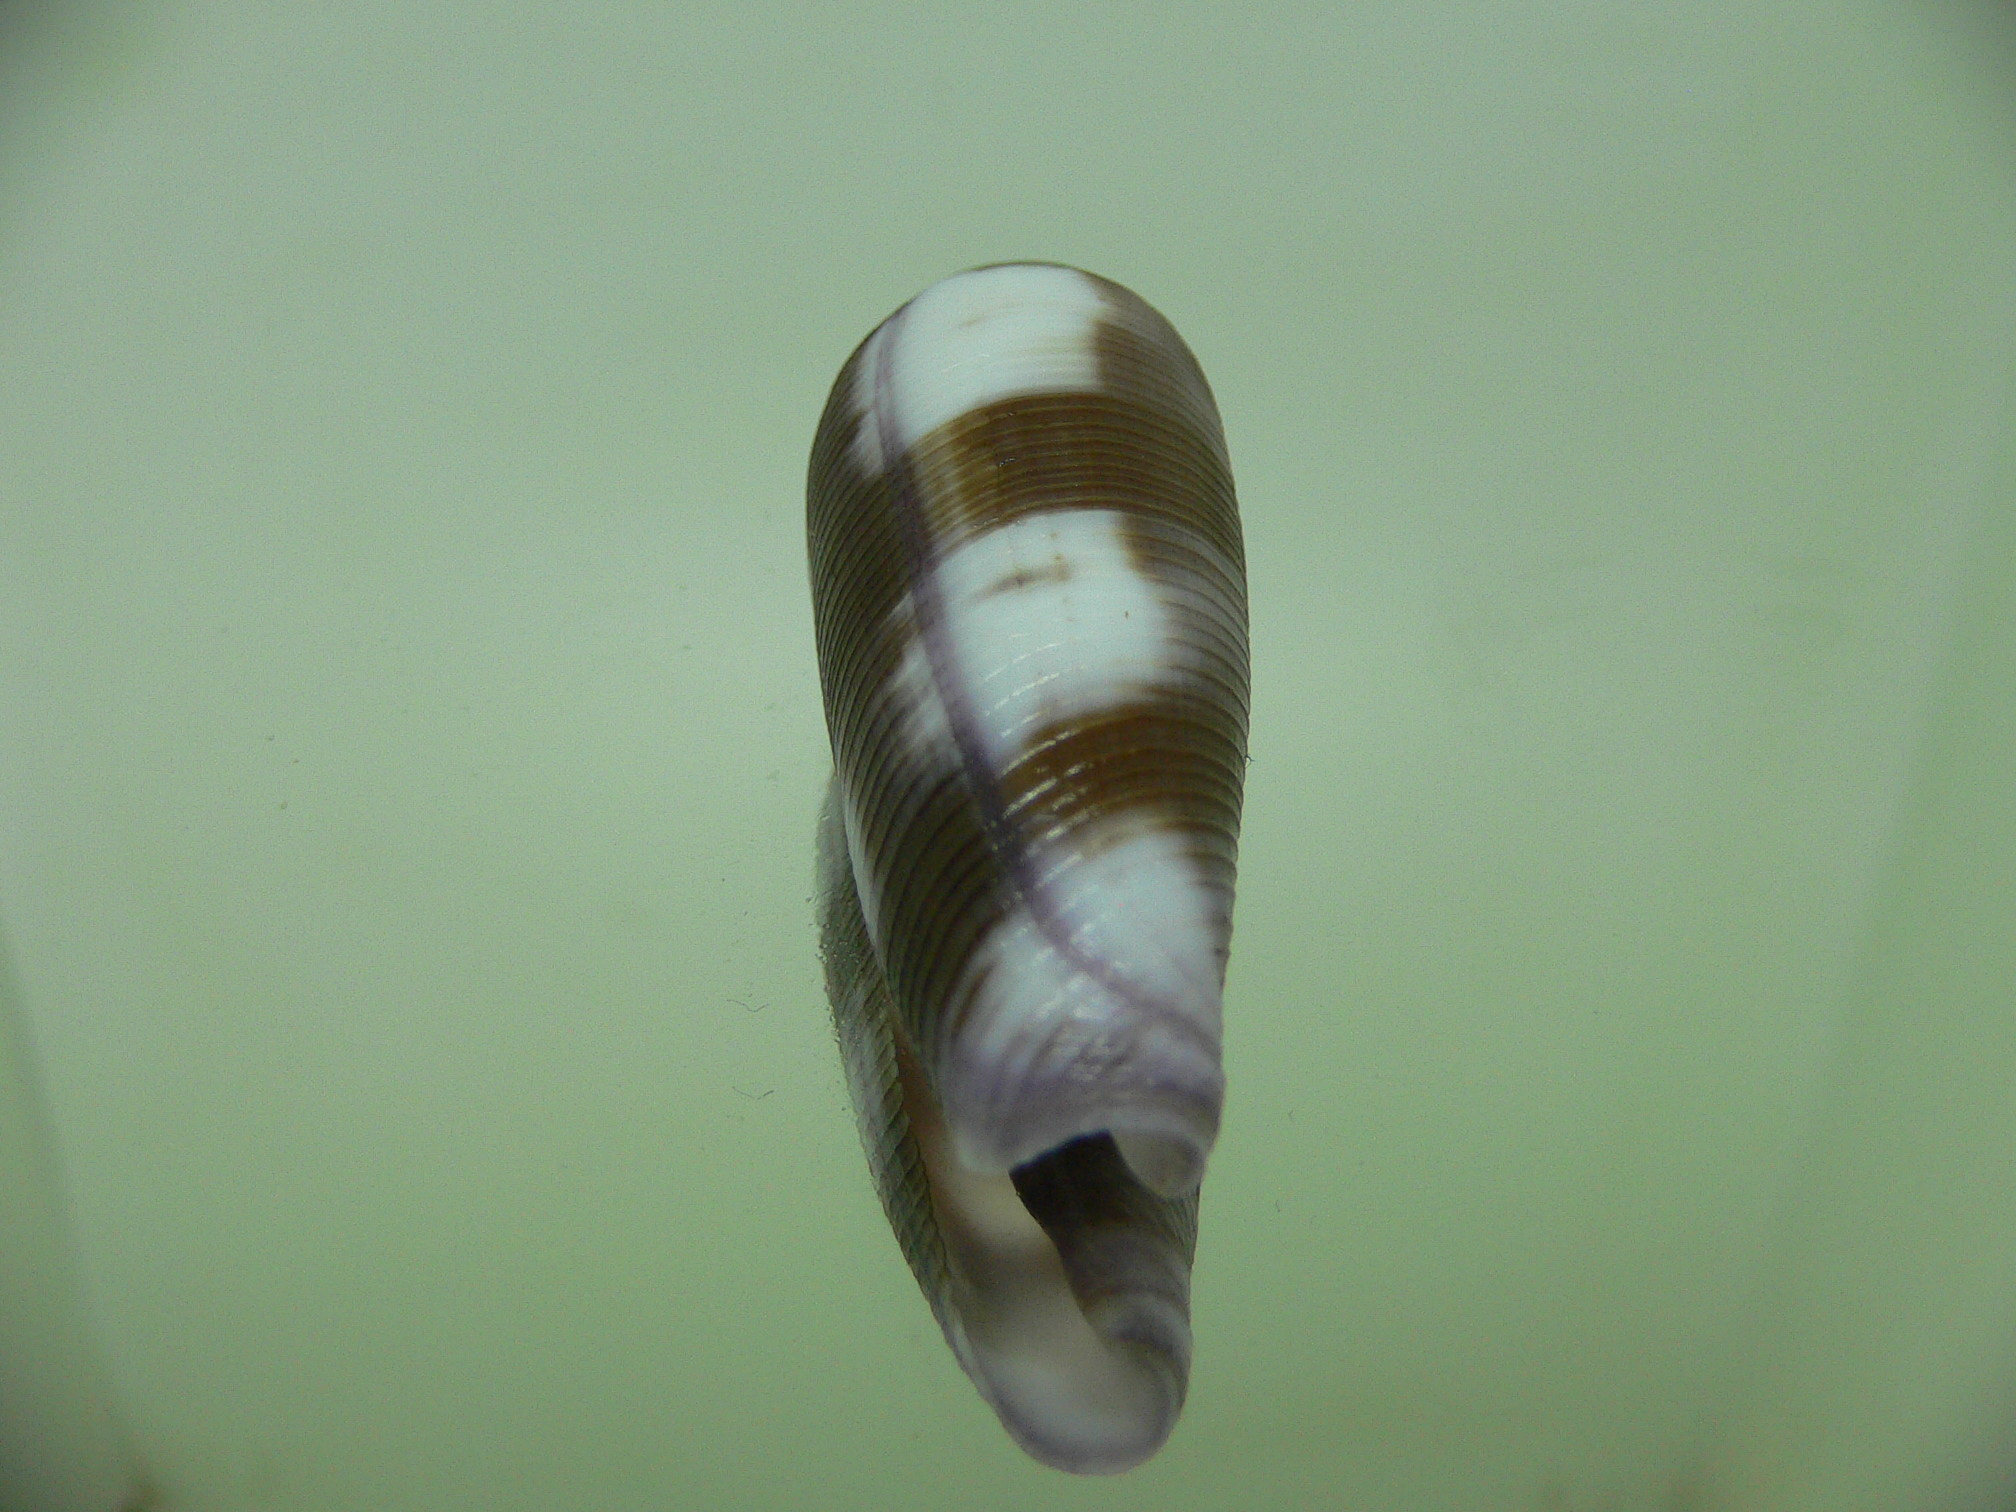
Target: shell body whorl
[[1029, 599]]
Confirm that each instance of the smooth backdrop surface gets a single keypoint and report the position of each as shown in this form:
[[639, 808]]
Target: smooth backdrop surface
[[412, 741]]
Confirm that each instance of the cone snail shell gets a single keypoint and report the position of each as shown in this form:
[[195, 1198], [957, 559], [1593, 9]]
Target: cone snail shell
[[1029, 594]]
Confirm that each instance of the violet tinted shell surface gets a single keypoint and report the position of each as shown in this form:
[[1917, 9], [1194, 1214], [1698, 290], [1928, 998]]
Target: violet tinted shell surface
[[1029, 598]]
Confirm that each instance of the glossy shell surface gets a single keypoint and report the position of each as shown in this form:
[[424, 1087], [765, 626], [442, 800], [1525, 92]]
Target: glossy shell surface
[[1029, 598]]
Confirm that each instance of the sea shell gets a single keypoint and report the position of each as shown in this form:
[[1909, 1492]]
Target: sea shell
[[1029, 593]]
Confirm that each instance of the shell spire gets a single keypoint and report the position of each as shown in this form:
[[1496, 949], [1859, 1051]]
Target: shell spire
[[1029, 595]]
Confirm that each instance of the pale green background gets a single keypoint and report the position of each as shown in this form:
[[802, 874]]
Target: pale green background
[[410, 739]]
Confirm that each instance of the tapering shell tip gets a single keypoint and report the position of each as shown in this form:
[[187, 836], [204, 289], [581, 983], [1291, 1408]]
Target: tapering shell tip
[[973, 339]]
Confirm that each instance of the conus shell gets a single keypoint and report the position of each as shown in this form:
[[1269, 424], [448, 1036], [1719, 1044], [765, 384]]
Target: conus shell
[[1029, 594]]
